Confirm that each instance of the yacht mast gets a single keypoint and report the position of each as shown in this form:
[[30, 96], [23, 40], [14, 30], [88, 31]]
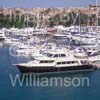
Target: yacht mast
[[38, 17], [97, 34]]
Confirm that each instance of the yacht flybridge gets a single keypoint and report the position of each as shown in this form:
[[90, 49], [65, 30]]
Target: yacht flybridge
[[54, 62]]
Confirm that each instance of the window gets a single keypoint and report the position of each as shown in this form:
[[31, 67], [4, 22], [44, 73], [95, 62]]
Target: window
[[63, 55], [59, 63], [56, 55], [41, 61], [46, 61], [49, 55], [73, 62], [68, 62], [63, 62], [51, 61]]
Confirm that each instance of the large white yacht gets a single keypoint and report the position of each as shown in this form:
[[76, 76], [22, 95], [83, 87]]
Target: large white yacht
[[54, 62]]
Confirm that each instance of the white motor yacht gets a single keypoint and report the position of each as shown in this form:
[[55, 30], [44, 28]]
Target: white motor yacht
[[57, 61]]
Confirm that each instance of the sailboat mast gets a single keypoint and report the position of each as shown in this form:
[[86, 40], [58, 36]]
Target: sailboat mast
[[97, 34]]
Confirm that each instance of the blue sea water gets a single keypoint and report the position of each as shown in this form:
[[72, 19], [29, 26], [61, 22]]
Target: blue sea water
[[8, 92]]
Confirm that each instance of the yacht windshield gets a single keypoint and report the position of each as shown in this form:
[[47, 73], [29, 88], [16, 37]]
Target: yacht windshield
[[49, 55]]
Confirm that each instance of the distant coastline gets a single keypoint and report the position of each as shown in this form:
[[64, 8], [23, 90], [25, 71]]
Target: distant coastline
[[18, 17]]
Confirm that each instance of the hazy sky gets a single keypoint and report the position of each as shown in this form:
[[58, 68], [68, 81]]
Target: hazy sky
[[45, 3]]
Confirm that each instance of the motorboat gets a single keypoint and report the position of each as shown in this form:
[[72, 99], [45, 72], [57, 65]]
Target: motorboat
[[80, 53], [54, 62]]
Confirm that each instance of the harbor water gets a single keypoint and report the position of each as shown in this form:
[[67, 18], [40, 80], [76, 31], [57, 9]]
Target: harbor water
[[8, 92]]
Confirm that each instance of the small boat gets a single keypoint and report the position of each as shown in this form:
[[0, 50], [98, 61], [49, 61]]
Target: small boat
[[80, 53], [26, 50]]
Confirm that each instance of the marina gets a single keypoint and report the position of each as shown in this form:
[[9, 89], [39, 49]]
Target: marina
[[49, 50], [53, 52]]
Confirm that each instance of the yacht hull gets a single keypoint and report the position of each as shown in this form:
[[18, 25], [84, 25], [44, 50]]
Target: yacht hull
[[24, 69]]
